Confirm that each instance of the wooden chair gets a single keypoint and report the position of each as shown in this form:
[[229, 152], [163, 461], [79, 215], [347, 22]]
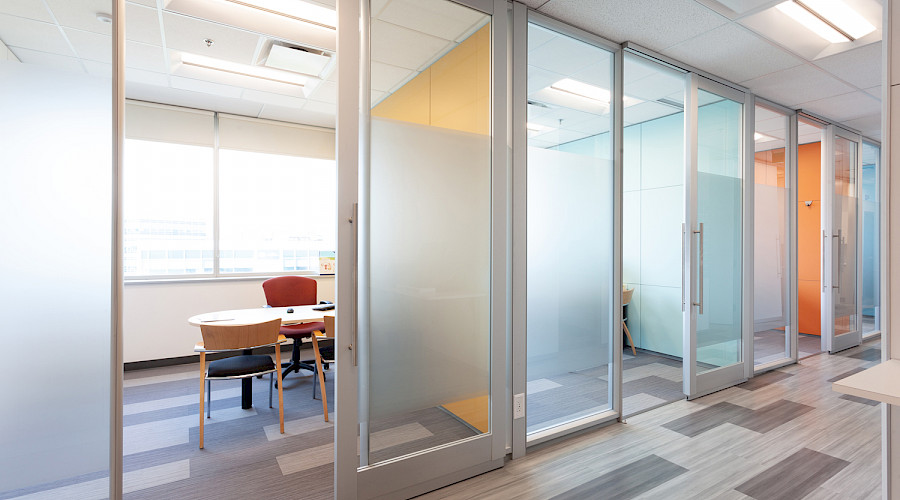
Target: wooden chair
[[626, 299], [223, 338], [328, 333]]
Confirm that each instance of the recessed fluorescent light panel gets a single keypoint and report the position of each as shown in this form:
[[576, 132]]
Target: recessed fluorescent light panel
[[534, 127], [295, 9], [759, 137], [298, 60], [272, 75], [588, 91], [832, 20]]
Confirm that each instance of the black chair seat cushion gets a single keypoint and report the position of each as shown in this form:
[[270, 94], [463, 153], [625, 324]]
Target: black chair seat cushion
[[240, 365], [302, 330]]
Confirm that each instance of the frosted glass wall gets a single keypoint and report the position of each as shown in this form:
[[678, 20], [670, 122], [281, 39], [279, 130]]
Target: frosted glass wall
[[569, 231], [871, 234], [55, 294]]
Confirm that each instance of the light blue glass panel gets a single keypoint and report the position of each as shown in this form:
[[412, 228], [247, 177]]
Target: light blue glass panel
[[871, 234]]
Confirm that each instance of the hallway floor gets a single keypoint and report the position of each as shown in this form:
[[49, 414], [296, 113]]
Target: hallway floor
[[784, 435]]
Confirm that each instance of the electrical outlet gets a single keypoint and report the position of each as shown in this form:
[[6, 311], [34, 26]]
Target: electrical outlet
[[519, 406]]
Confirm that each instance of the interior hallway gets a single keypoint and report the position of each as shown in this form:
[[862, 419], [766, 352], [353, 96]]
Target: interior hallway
[[782, 435]]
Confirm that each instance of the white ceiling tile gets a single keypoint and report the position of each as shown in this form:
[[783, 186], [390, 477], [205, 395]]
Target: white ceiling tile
[[98, 69], [386, 77], [786, 32], [439, 18], [874, 91], [534, 4], [34, 35], [134, 75], [148, 3], [29, 56], [870, 126], [92, 46], [646, 111], [539, 78], [142, 24], [26, 8], [798, 84], [325, 92], [284, 101], [186, 34], [320, 107], [82, 14], [654, 24], [844, 107], [734, 53], [201, 86], [656, 86], [143, 56], [404, 47], [860, 67]]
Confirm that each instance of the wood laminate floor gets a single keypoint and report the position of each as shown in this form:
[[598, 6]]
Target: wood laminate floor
[[784, 435]]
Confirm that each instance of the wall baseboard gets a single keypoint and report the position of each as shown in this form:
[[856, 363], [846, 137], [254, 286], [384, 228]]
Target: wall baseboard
[[186, 360]]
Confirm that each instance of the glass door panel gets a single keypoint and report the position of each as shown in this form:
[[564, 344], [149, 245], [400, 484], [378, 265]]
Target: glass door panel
[[842, 250], [570, 287], [430, 306], [715, 347], [772, 225]]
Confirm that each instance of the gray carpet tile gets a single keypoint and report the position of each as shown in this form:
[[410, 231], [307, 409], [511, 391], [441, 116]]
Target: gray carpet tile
[[794, 477], [764, 380], [771, 416], [867, 355], [700, 421], [627, 481], [846, 374]]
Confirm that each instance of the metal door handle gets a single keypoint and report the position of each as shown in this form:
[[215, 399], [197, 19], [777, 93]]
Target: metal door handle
[[822, 258], [699, 302], [354, 318], [838, 260], [683, 231]]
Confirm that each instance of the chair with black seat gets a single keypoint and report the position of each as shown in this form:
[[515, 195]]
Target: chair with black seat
[[224, 338], [287, 291]]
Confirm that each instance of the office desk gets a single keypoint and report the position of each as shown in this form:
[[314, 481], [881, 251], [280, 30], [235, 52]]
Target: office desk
[[238, 317]]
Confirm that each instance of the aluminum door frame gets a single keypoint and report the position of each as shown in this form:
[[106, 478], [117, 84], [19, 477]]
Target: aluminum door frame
[[426, 470], [830, 342], [698, 385]]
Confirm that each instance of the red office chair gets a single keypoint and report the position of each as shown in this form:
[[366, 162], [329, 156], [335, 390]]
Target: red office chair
[[285, 291]]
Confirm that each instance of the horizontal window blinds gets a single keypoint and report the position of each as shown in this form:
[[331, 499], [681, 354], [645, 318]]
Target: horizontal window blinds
[[250, 134], [155, 122]]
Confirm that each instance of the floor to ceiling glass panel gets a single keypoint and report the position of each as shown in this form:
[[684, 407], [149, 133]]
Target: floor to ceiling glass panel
[[771, 225], [570, 229], [652, 217], [870, 205]]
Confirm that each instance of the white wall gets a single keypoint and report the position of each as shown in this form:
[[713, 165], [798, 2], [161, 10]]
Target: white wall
[[156, 313]]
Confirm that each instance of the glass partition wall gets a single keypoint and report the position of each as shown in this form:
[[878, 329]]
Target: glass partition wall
[[870, 205], [57, 257], [773, 269], [652, 220], [570, 234]]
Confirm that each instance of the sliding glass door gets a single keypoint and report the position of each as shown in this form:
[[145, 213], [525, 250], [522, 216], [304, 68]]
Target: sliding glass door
[[422, 245], [841, 308], [714, 311]]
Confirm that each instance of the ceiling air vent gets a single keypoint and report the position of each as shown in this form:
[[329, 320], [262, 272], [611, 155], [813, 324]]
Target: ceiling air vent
[[303, 60]]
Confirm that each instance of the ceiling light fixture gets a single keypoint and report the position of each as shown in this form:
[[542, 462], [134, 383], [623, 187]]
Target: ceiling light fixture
[[534, 127], [294, 9], [588, 91], [298, 59], [104, 18], [269, 74], [832, 20], [760, 137]]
